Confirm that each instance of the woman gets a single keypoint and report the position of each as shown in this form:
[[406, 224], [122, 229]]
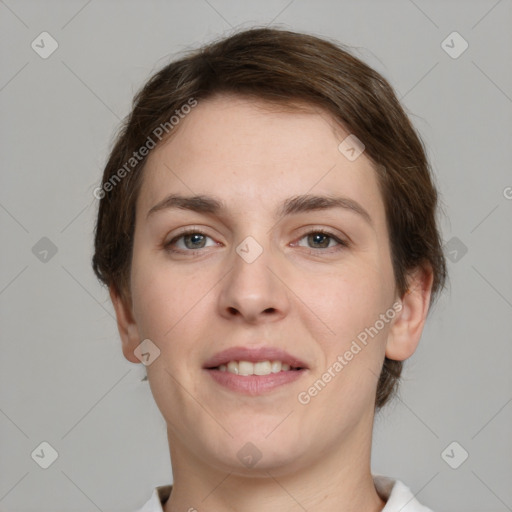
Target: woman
[[267, 230]]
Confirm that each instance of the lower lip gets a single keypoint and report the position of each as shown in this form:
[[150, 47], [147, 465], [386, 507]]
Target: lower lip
[[255, 384]]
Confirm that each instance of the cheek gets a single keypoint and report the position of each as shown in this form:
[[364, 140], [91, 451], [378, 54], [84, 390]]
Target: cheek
[[350, 303], [161, 297], [351, 358], [154, 307], [169, 311], [172, 305], [348, 300]]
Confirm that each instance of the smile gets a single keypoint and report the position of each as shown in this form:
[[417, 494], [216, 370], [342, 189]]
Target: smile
[[247, 368]]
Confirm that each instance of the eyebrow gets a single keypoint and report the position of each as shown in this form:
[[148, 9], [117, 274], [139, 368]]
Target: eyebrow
[[292, 205]]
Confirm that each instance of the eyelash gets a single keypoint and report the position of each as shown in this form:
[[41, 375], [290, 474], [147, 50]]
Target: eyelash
[[314, 251]]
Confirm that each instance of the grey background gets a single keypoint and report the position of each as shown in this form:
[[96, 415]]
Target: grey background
[[63, 377]]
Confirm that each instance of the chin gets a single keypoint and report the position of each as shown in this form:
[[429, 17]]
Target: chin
[[256, 455]]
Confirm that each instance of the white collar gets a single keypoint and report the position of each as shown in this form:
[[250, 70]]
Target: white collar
[[398, 497]]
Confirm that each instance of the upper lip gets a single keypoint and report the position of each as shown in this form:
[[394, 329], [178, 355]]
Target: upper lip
[[253, 354]]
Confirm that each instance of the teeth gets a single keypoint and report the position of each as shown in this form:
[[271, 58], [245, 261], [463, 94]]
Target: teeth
[[233, 367], [246, 368], [276, 366], [262, 368]]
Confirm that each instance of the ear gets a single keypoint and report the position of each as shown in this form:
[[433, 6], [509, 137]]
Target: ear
[[126, 324], [405, 333]]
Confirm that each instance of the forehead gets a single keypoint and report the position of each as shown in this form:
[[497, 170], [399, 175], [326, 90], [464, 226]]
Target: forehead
[[256, 154]]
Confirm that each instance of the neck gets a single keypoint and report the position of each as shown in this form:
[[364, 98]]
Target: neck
[[338, 481]]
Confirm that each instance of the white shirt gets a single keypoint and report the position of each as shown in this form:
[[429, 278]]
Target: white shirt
[[397, 496]]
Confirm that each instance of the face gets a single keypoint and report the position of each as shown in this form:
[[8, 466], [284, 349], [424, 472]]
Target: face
[[254, 269]]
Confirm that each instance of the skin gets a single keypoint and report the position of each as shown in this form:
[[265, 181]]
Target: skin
[[311, 297]]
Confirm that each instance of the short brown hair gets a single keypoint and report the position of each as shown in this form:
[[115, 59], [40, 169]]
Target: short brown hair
[[281, 66]]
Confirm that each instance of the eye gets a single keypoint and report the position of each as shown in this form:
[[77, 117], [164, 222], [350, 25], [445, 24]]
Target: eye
[[320, 239], [193, 240], [188, 241]]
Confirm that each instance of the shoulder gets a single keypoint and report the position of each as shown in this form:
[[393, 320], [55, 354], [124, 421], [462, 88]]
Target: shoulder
[[158, 498], [397, 495]]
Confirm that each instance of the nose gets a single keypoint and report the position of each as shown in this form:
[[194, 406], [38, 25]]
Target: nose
[[254, 291]]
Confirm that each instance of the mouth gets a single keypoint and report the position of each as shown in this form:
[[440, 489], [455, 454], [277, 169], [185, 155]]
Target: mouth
[[254, 371], [247, 368]]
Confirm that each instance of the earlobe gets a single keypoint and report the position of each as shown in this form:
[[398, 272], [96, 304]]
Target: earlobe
[[126, 325], [405, 333]]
